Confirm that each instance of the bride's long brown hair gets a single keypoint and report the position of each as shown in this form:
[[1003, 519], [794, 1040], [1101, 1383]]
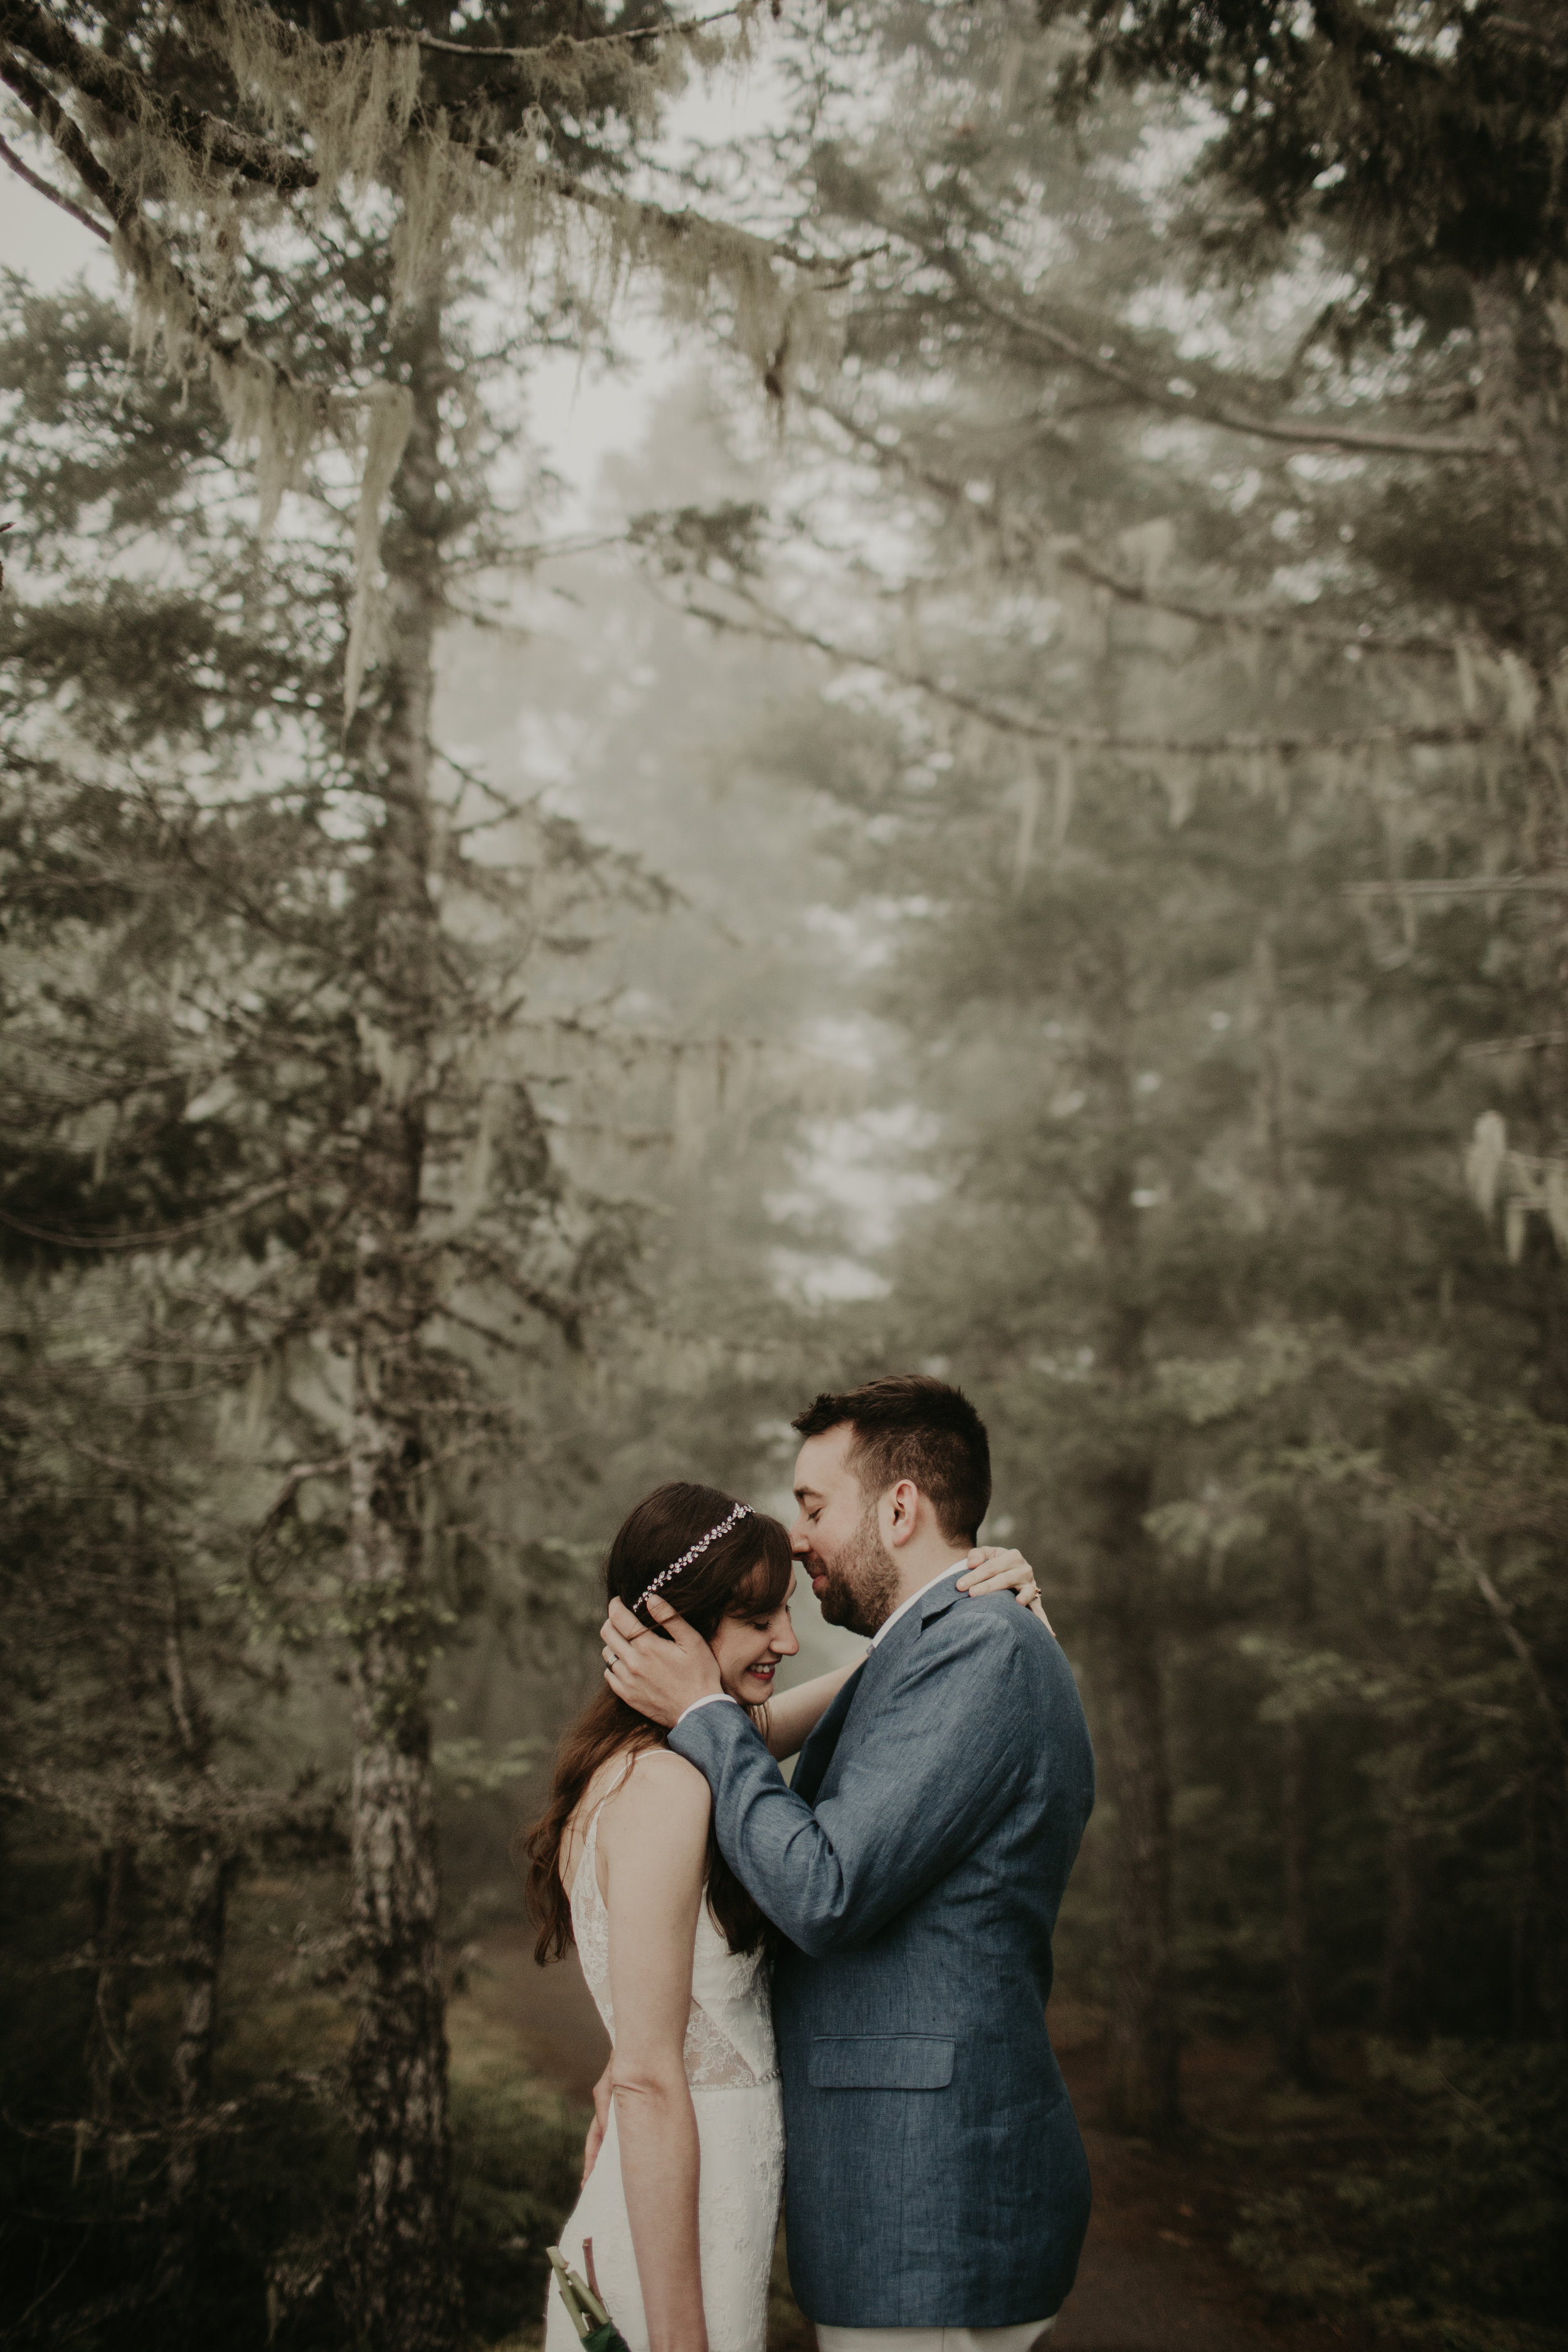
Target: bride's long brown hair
[[745, 1574]]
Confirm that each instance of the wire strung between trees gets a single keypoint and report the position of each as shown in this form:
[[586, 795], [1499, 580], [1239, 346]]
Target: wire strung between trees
[[568, 43]]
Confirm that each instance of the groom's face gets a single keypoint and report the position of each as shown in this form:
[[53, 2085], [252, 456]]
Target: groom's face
[[837, 1538]]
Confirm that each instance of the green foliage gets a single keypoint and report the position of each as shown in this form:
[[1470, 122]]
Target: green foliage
[[84, 2243], [83, 2237], [519, 2161], [699, 539], [1426, 139], [1458, 2238]]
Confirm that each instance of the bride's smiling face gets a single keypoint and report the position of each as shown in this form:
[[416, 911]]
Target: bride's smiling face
[[749, 1650]]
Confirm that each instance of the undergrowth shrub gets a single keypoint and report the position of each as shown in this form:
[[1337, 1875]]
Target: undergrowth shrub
[[1460, 2239], [517, 2159]]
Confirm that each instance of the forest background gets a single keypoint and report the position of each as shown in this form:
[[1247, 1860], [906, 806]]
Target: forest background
[[1016, 828]]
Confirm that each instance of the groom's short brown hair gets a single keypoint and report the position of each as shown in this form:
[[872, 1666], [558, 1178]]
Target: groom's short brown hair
[[908, 1425]]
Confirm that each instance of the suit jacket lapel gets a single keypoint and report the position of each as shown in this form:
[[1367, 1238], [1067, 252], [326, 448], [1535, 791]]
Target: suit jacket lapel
[[817, 1754]]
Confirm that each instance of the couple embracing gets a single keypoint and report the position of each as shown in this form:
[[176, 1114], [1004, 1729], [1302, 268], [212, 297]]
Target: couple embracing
[[887, 1916]]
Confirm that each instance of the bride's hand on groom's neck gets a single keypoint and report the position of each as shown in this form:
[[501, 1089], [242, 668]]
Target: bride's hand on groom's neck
[[989, 1568], [661, 1679]]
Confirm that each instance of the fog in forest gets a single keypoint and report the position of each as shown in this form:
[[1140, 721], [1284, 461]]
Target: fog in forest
[[859, 690]]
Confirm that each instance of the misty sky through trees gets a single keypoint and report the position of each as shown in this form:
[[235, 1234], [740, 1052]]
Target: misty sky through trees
[[685, 714]]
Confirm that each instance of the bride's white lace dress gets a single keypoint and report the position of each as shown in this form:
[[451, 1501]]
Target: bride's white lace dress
[[733, 2074]]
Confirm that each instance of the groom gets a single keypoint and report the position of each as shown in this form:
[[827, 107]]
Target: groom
[[937, 2192]]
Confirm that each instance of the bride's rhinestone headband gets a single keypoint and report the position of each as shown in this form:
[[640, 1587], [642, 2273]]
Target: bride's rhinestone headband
[[742, 1511]]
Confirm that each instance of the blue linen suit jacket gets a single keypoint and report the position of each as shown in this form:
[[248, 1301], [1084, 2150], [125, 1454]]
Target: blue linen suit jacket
[[934, 2173]]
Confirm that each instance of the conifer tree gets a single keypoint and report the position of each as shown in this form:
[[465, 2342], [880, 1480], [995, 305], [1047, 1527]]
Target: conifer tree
[[1157, 544], [306, 212], [1421, 147]]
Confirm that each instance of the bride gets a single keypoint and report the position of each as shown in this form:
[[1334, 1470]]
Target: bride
[[685, 2165]]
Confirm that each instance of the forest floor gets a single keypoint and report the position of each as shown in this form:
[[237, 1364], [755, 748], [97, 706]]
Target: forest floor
[[1155, 2275]]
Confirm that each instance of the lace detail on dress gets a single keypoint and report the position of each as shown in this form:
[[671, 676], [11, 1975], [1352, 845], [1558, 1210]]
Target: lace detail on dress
[[729, 2005], [712, 2061]]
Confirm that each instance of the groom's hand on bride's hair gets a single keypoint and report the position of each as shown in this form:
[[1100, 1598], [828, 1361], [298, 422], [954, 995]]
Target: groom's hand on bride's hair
[[991, 1570], [660, 1679]]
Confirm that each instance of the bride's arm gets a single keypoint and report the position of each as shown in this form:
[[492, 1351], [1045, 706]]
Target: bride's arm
[[795, 1715], [654, 1840]]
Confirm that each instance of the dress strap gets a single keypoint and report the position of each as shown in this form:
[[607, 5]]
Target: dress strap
[[591, 1834]]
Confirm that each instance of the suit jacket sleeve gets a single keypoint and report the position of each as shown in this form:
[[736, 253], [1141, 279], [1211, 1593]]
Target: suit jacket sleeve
[[955, 1734]]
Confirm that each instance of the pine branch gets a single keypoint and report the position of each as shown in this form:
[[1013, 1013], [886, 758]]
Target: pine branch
[[9, 156], [1135, 592], [141, 248], [157, 1240], [492, 1338], [126, 92], [1540, 1041], [1252, 621], [1504, 1614], [200, 1804], [1468, 886], [129, 93], [682, 226], [66, 136], [778, 628], [1298, 433]]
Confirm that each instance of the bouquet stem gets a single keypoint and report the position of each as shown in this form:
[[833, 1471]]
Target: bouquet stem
[[596, 2330]]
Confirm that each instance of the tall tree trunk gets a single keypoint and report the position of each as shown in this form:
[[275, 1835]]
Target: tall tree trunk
[[113, 1903], [405, 2281], [1296, 1834], [203, 1922], [205, 1917], [201, 1961], [1402, 1991], [1145, 2082], [1296, 1938]]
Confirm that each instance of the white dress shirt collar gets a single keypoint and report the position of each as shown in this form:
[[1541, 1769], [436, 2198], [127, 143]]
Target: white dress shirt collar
[[888, 1623]]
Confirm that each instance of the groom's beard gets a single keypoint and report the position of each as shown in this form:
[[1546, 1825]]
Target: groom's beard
[[862, 1581]]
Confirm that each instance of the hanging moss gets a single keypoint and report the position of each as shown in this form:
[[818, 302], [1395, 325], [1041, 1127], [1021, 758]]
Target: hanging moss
[[462, 180]]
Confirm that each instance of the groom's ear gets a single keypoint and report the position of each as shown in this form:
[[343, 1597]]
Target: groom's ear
[[904, 1510]]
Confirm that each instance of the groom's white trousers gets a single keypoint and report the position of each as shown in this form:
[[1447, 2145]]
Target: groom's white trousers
[[1020, 2339]]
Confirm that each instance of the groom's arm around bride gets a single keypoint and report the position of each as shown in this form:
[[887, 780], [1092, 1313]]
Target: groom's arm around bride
[[935, 2174]]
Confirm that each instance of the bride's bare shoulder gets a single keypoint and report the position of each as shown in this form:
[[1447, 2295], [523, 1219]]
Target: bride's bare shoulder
[[659, 1770], [646, 1798], [658, 1788]]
